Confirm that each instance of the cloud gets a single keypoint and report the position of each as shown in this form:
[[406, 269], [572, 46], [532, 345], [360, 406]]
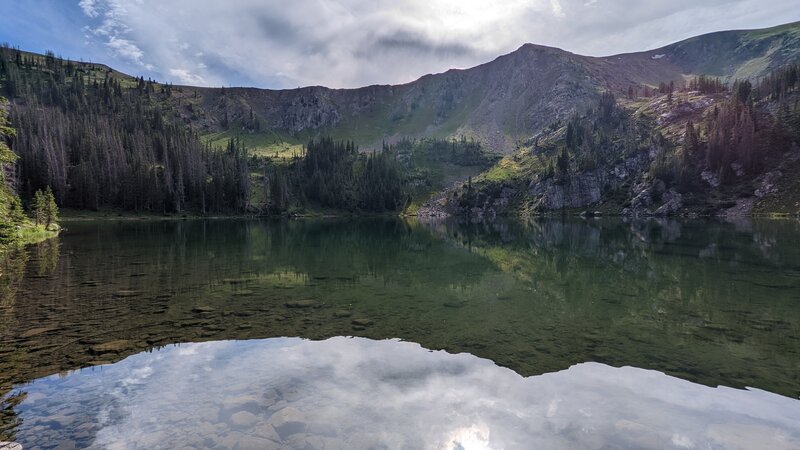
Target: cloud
[[351, 43], [186, 77], [405, 41], [558, 11], [126, 49], [88, 7], [113, 29]]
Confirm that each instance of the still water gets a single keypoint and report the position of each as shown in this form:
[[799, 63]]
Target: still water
[[545, 334]]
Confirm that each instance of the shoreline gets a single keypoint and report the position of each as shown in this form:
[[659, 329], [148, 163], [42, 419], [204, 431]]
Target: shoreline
[[79, 215], [29, 235], [72, 215]]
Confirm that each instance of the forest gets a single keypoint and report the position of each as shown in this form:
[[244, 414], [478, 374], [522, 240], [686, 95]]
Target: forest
[[336, 175], [99, 140], [736, 137], [742, 135]]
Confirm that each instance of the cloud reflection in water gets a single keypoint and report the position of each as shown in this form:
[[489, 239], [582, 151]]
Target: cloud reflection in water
[[360, 393]]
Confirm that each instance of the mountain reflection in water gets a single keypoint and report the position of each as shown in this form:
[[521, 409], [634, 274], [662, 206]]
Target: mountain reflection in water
[[362, 393]]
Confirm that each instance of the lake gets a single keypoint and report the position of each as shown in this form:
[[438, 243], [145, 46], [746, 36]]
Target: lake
[[385, 333]]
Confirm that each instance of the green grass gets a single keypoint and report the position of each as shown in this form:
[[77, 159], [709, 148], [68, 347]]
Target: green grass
[[791, 28], [370, 128], [34, 234], [261, 144], [30, 234], [521, 165]]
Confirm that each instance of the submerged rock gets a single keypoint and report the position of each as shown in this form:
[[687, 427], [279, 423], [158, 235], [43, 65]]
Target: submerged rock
[[243, 419], [35, 332], [362, 322], [124, 293], [254, 442], [288, 421], [455, 304], [300, 304], [266, 431], [10, 446]]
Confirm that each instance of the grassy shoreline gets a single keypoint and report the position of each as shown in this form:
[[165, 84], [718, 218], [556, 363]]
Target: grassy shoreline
[[29, 234], [35, 234]]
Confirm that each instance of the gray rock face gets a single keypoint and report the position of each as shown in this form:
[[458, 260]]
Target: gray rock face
[[768, 183], [574, 192], [585, 188], [651, 198], [673, 202]]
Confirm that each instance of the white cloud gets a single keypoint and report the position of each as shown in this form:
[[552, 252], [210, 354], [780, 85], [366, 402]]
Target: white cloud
[[186, 77], [350, 43], [114, 30], [88, 7], [558, 11], [126, 49]]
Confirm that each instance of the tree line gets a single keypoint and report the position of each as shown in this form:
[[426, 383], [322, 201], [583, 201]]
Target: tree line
[[100, 140], [461, 151], [334, 174]]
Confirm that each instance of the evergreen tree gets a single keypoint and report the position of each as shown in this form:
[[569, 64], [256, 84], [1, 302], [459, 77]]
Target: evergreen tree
[[99, 144], [50, 208], [39, 207]]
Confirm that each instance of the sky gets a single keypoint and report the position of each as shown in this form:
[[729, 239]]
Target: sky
[[350, 43]]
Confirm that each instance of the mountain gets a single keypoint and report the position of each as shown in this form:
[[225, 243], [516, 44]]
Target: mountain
[[498, 103], [151, 145]]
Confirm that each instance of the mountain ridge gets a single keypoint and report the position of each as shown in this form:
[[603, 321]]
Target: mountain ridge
[[500, 102], [517, 88]]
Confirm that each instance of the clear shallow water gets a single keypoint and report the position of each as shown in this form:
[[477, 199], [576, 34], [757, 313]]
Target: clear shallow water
[[711, 304], [345, 393]]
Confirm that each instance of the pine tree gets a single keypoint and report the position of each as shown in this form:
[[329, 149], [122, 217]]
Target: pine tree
[[38, 207], [50, 208]]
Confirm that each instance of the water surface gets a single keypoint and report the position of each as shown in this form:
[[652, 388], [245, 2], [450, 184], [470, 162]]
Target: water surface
[[346, 393], [707, 303]]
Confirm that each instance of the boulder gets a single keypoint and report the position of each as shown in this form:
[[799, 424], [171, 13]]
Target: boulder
[[288, 421], [243, 419]]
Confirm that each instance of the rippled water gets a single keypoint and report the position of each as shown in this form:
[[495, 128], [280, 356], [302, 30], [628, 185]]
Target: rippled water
[[552, 311]]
